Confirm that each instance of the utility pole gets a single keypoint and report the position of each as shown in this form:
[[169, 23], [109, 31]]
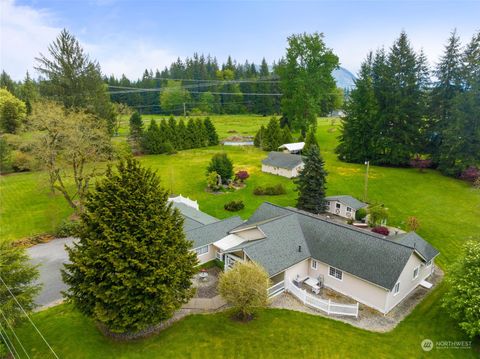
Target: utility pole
[[184, 110], [365, 194]]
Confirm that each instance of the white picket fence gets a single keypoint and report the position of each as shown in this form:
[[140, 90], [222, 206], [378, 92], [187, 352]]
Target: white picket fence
[[326, 306], [276, 289]]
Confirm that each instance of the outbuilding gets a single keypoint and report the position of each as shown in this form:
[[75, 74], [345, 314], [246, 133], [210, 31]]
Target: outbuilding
[[344, 205], [283, 164], [293, 148]]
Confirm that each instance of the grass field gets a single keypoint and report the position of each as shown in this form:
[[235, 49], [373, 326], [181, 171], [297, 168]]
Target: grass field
[[448, 211]]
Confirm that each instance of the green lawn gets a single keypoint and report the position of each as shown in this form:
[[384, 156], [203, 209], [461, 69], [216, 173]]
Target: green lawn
[[448, 211]]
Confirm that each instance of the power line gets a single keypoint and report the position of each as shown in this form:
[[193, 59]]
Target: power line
[[31, 321], [261, 79], [14, 334], [6, 341]]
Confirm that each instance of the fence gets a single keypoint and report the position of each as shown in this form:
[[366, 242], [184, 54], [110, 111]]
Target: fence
[[326, 306], [276, 289]]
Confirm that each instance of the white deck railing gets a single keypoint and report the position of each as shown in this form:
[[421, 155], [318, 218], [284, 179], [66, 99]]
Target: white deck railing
[[276, 289], [324, 305]]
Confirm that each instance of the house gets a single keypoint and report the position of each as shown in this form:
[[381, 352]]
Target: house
[[344, 205], [283, 164], [372, 269], [296, 147]]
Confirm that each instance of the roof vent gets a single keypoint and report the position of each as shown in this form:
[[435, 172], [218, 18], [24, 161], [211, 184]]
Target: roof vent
[[299, 248]]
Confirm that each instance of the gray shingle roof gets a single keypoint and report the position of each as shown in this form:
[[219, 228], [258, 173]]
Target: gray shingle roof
[[283, 160], [279, 250], [366, 255], [193, 217], [212, 232], [347, 200]]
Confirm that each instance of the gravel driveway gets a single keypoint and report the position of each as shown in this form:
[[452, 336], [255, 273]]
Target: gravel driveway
[[50, 258]]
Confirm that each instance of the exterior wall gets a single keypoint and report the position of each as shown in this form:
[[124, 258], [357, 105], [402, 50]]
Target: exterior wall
[[300, 268], [342, 210], [351, 286], [407, 283], [282, 171], [207, 257]]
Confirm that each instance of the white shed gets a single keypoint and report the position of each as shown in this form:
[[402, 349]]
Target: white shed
[[344, 205], [295, 147], [283, 164]]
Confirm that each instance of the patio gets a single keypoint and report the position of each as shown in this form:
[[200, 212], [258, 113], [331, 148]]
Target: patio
[[206, 286], [328, 294]]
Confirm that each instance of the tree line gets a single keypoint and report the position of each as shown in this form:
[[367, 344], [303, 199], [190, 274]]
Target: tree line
[[172, 135], [401, 109]]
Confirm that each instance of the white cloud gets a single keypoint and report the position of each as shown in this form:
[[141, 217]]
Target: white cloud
[[24, 33]]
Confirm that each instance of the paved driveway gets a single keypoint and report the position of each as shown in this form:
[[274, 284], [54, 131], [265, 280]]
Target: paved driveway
[[50, 258]]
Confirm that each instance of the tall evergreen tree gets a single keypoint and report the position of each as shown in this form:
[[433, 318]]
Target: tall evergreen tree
[[273, 136], [311, 183], [132, 267], [182, 142], [73, 79], [286, 135], [264, 103], [448, 73], [136, 127], [259, 136], [152, 139], [211, 132], [310, 140], [357, 140]]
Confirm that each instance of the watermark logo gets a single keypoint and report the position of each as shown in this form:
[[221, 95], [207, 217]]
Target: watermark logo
[[427, 345]]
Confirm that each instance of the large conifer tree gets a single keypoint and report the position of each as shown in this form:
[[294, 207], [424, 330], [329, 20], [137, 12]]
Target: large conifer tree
[[132, 266], [311, 183]]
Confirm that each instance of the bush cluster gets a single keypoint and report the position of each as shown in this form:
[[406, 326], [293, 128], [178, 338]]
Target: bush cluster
[[381, 230], [270, 190], [234, 206]]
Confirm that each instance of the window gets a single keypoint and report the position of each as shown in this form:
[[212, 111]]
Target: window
[[349, 209], [338, 205], [415, 272], [328, 203], [396, 289], [429, 263], [201, 250], [335, 273], [314, 264]]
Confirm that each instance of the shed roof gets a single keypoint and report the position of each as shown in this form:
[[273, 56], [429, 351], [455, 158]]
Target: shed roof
[[347, 200], [209, 233], [296, 146], [283, 160]]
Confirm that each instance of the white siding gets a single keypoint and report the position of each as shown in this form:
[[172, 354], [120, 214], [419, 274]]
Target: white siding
[[282, 171], [207, 257], [342, 211], [351, 286], [407, 283], [300, 268]]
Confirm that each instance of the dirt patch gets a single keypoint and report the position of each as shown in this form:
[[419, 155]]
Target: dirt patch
[[368, 318]]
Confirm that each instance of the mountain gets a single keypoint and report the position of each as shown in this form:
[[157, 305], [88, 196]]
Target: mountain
[[344, 78]]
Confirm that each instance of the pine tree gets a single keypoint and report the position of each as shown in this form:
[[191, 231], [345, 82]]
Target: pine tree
[[448, 85], [182, 135], [211, 132], [286, 135], [132, 267], [258, 139], [273, 137], [136, 127], [311, 183], [310, 140], [202, 133], [174, 139], [19, 275], [152, 139], [356, 143], [221, 164], [191, 137]]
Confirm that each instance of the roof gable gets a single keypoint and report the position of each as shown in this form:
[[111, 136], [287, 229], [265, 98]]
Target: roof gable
[[209, 233], [347, 200]]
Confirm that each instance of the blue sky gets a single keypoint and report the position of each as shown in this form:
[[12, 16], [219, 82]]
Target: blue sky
[[129, 36]]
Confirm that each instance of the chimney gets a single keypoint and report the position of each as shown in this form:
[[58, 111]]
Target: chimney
[[299, 248]]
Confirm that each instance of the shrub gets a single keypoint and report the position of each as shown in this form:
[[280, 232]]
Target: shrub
[[470, 174], [234, 206], [168, 148], [360, 214], [377, 215], [221, 164], [270, 190], [242, 175], [381, 230], [67, 229], [420, 163], [21, 162], [213, 181], [244, 287], [412, 223]]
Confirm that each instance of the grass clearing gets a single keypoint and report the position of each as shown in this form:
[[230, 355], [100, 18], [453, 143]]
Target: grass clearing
[[447, 209]]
